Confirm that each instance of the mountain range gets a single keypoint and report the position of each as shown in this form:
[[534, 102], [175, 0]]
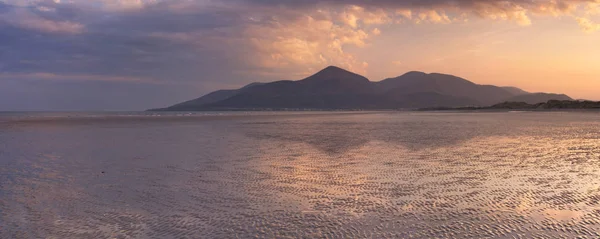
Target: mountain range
[[334, 88]]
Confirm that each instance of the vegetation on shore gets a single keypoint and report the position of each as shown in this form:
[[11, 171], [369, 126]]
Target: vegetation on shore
[[549, 105]]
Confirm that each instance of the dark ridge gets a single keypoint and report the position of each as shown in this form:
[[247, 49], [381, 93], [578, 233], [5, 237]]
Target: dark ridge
[[534, 98], [549, 105], [334, 88]]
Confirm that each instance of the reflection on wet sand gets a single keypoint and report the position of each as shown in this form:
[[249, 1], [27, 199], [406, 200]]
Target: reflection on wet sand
[[385, 175]]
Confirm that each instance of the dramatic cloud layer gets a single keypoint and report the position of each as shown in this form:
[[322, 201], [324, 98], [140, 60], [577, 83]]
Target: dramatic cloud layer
[[213, 44]]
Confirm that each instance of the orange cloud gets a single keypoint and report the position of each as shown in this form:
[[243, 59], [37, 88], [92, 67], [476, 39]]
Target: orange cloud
[[308, 42], [353, 15], [587, 25], [433, 16], [376, 32], [406, 13]]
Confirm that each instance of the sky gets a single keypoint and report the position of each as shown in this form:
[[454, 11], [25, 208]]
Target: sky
[[70, 55]]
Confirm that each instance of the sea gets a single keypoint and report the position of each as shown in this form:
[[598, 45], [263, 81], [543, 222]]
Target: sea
[[300, 175]]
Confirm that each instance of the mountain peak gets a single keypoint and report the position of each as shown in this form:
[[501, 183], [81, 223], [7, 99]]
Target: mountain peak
[[414, 74], [334, 72], [337, 88], [333, 68]]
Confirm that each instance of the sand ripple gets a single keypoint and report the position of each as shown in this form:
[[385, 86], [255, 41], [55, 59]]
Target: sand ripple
[[384, 175]]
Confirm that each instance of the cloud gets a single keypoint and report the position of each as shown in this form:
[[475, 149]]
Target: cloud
[[376, 32], [588, 25], [515, 10], [405, 13], [353, 15], [74, 77], [308, 42], [216, 43], [125, 4], [433, 17], [593, 8], [24, 18]]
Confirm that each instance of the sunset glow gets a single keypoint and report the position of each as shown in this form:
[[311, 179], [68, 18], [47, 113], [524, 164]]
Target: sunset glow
[[161, 52]]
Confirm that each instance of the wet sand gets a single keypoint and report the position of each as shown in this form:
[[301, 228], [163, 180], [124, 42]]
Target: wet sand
[[301, 175]]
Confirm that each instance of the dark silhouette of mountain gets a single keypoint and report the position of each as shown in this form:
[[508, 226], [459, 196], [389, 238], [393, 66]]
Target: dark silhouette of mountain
[[330, 88], [336, 88], [535, 98], [209, 98], [515, 90], [448, 85], [549, 105], [428, 99]]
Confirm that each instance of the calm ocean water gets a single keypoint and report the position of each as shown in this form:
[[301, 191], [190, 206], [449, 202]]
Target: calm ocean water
[[308, 175]]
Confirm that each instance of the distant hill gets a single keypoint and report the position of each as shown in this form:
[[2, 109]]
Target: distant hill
[[515, 90], [447, 85], [209, 98], [330, 88], [549, 105], [535, 98], [336, 88]]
